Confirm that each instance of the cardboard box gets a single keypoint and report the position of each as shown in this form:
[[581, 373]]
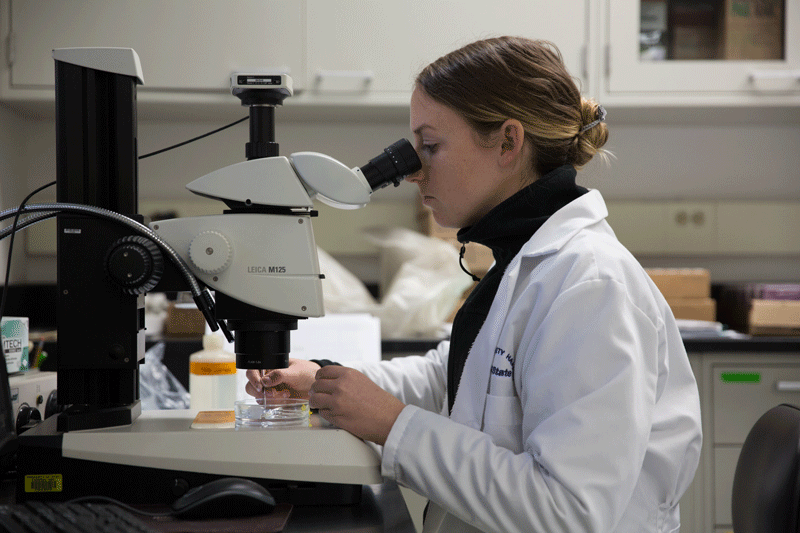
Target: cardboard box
[[184, 320], [774, 317], [693, 42], [15, 343], [754, 29], [681, 282], [694, 308]]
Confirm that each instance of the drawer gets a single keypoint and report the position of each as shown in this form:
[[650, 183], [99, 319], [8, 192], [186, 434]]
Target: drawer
[[742, 393], [725, 460]]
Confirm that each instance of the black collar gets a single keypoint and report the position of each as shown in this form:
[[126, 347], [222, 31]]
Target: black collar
[[510, 224]]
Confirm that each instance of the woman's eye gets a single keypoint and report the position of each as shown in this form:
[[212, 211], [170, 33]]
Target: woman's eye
[[430, 148]]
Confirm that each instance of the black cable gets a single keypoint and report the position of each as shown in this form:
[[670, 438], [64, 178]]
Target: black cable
[[11, 244], [127, 507], [22, 205], [195, 139]]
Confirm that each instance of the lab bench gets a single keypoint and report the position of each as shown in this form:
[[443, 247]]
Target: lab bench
[[738, 379]]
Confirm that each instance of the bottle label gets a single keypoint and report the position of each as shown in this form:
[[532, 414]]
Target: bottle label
[[207, 368]]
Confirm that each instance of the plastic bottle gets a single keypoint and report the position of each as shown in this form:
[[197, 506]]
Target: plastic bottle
[[212, 376]]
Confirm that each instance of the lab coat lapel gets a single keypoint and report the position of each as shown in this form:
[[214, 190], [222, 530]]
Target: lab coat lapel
[[470, 399], [470, 402]]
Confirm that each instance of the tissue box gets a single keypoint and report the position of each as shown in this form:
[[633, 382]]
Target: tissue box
[[15, 343]]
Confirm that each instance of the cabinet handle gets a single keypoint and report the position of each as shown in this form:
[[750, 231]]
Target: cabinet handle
[[788, 386], [774, 75]]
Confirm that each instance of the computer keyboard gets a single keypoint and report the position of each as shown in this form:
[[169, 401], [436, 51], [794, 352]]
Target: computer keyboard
[[58, 517]]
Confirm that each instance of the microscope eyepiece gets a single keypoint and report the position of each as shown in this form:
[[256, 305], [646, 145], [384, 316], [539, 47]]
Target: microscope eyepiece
[[392, 166]]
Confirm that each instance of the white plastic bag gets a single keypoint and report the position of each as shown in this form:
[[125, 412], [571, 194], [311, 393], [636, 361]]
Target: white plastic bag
[[424, 282], [158, 387], [342, 292]]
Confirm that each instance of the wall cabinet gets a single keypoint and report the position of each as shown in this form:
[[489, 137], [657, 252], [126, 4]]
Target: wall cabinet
[[365, 52], [707, 227], [359, 50], [184, 47], [376, 48], [705, 52]]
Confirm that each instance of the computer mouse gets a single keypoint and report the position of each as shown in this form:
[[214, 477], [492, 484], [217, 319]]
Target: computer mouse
[[229, 497]]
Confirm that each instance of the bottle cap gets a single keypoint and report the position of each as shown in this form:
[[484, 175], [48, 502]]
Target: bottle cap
[[213, 342]]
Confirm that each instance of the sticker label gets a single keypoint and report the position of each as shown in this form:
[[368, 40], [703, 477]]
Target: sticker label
[[44, 483], [201, 368], [741, 377]]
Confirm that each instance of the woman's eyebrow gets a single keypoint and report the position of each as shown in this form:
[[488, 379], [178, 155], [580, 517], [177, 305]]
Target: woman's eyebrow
[[419, 129]]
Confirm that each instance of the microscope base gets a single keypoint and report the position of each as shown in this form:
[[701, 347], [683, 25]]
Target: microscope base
[[159, 457]]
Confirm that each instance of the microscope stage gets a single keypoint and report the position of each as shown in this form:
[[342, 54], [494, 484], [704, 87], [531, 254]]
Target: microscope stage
[[165, 439]]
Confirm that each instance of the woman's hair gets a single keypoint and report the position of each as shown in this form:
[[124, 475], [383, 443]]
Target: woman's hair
[[493, 80]]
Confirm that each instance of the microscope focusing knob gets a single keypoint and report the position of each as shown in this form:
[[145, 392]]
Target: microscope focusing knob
[[211, 252], [135, 263]]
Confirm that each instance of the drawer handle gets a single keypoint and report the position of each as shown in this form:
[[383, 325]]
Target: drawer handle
[[788, 386], [774, 75], [365, 75]]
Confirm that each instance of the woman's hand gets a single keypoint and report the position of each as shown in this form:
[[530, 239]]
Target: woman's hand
[[350, 400], [293, 381]]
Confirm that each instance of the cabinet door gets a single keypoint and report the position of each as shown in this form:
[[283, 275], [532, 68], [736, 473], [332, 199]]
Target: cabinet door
[[759, 228], [691, 227], [378, 46], [182, 45], [640, 226], [706, 47], [656, 228]]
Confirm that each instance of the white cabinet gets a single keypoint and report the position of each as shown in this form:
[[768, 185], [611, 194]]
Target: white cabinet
[[364, 51], [376, 47], [184, 47], [657, 228], [703, 66], [745, 228], [736, 389]]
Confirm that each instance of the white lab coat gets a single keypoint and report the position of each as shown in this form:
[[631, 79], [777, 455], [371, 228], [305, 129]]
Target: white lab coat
[[577, 410]]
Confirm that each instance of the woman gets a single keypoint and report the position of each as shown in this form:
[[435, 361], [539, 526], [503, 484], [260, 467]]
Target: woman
[[564, 400]]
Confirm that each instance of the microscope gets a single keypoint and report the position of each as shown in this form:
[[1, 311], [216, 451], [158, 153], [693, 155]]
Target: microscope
[[259, 258]]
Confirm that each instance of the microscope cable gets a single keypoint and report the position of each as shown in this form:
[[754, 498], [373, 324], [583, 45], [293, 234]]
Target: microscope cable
[[192, 140], [12, 230]]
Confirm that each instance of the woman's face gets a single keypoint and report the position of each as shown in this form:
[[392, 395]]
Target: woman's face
[[460, 179]]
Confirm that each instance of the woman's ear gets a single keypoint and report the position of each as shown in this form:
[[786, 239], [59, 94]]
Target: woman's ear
[[511, 144]]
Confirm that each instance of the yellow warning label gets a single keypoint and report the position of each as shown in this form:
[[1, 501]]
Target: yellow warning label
[[203, 368], [44, 483]]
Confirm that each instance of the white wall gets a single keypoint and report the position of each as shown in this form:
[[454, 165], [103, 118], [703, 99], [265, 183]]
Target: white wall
[[12, 183], [653, 161]]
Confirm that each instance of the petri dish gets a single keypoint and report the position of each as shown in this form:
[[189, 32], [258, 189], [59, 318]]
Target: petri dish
[[254, 413]]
